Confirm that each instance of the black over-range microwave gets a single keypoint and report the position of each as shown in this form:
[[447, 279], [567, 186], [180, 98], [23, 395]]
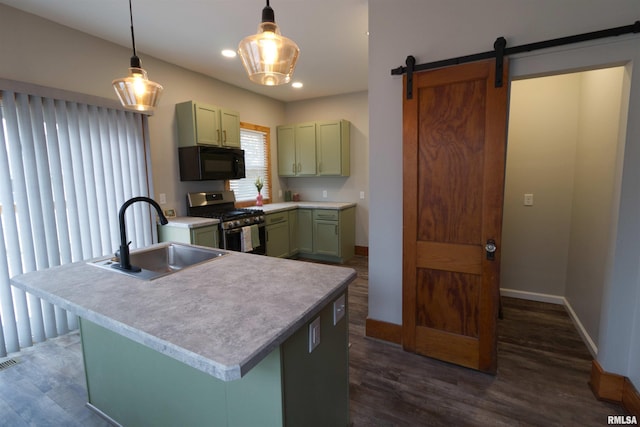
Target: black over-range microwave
[[201, 163]]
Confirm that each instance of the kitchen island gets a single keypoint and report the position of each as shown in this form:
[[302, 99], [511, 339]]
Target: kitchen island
[[225, 342]]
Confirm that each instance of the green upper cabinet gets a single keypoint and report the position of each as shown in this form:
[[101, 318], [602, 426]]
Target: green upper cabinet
[[332, 146], [306, 149], [230, 127], [314, 149], [297, 150], [286, 151], [203, 124]]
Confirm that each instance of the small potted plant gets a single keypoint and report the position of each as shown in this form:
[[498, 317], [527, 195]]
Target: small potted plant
[[259, 184]]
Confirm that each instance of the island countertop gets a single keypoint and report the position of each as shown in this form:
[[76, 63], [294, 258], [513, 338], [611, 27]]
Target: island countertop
[[222, 316]]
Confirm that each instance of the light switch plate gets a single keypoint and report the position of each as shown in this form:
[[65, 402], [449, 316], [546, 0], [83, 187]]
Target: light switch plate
[[339, 308], [528, 199], [314, 334]]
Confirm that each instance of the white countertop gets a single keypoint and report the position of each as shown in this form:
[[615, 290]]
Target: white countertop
[[284, 206], [221, 317]]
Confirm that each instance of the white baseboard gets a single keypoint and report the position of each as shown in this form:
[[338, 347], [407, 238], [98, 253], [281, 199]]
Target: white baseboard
[[591, 346], [555, 299], [532, 296]]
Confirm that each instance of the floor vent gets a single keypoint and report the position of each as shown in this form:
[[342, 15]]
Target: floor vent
[[7, 364]]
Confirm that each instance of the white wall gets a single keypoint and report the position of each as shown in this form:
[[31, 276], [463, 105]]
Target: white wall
[[438, 29], [59, 57], [563, 146], [594, 194], [352, 107], [543, 134]]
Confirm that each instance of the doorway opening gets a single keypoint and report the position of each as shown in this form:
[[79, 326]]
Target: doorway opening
[[562, 185]]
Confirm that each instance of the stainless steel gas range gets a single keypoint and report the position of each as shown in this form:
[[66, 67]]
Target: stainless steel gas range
[[239, 229]]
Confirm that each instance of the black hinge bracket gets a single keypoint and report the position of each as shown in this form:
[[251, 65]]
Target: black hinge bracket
[[411, 63], [499, 46]]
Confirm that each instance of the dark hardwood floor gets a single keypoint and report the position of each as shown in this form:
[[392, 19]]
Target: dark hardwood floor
[[543, 369]]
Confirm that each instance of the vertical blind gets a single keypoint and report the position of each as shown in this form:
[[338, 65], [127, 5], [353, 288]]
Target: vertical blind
[[65, 169], [254, 144]]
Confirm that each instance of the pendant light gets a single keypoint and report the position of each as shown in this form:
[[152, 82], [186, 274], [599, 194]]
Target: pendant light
[[268, 57], [137, 92]]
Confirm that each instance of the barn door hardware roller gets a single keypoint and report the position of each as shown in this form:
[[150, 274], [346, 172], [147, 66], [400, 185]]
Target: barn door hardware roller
[[501, 50]]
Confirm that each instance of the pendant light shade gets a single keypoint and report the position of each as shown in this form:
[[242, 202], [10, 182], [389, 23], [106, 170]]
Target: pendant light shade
[[137, 92], [269, 57]]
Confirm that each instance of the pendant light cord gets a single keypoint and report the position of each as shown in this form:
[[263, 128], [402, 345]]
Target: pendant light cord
[[133, 39]]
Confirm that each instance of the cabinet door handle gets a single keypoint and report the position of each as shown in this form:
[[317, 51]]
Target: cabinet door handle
[[218, 132], [319, 167], [224, 133], [299, 167], [336, 230], [293, 168]]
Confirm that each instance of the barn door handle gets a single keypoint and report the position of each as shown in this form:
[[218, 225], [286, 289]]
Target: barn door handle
[[491, 248]]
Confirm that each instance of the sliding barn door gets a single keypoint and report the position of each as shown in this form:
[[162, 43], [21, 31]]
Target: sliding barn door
[[454, 132]]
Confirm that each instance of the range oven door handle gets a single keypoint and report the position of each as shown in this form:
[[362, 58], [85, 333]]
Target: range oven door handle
[[239, 229]]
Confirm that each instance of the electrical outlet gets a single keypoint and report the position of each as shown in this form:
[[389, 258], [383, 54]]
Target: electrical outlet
[[162, 198], [339, 308], [362, 195], [314, 334], [324, 194]]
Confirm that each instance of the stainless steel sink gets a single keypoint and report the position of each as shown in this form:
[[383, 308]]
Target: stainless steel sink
[[159, 261]]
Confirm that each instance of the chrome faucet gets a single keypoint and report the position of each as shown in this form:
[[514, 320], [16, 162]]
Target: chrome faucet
[[123, 253]]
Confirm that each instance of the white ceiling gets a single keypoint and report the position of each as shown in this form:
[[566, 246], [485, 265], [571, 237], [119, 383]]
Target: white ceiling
[[331, 34]]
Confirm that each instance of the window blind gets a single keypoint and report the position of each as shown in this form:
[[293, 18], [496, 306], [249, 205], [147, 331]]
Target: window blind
[[65, 169], [256, 160]]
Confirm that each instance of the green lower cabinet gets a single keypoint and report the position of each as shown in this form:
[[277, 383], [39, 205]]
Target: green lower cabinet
[[135, 385], [305, 230], [316, 384], [320, 234], [327, 240], [278, 240], [333, 235], [277, 234], [203, 236], [293, 232]]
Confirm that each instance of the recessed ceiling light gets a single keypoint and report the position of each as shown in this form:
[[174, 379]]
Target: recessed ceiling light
[[297, 85], [229, 53]]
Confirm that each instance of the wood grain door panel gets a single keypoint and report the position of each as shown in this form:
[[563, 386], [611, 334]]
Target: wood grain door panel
[[450, 147], [454, 145]]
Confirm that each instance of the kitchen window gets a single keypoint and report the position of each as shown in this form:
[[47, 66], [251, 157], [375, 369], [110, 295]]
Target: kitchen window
[[254, 140]]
